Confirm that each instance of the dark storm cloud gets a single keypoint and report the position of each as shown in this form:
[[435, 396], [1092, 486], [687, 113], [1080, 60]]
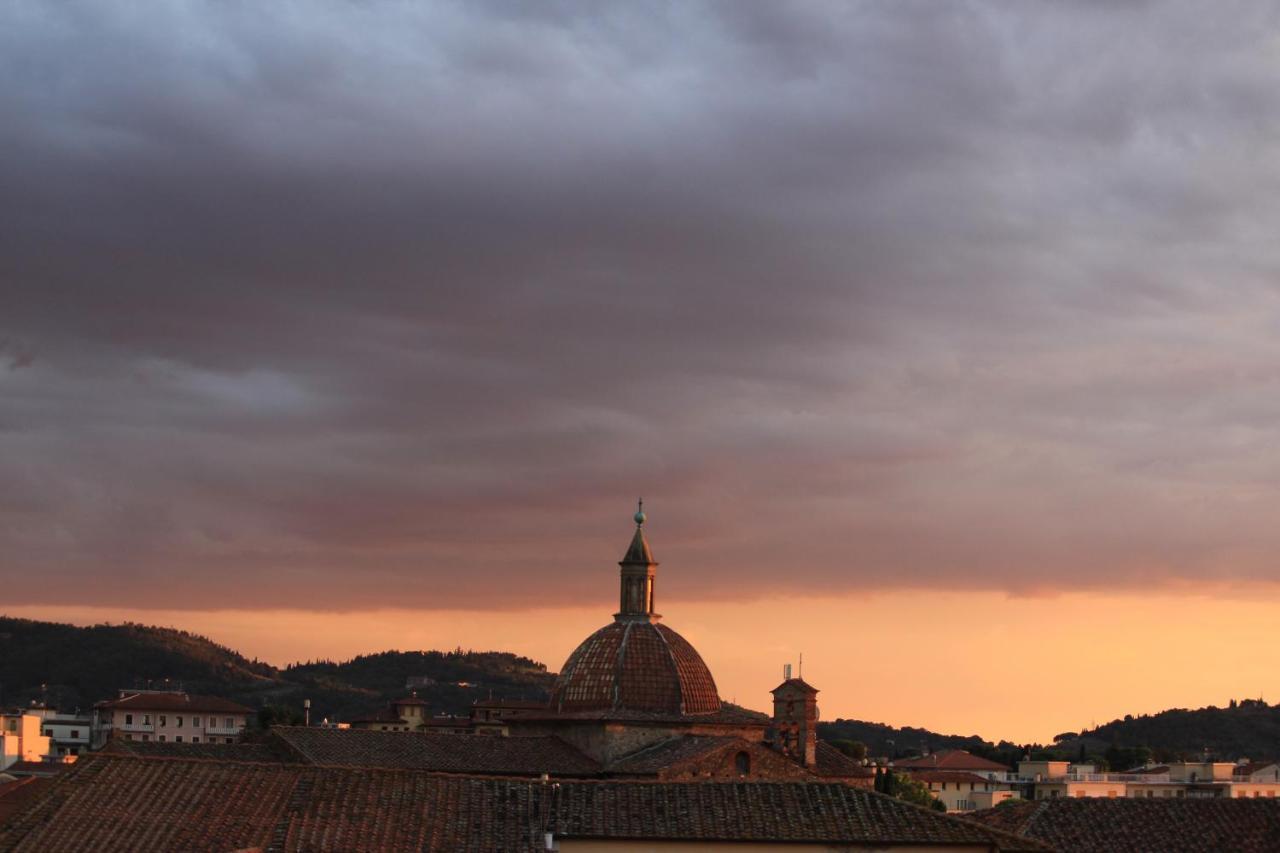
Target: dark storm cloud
[[361, 304]]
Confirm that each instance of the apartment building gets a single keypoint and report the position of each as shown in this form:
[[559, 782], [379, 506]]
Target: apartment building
[[1046, 780], [168, 716]]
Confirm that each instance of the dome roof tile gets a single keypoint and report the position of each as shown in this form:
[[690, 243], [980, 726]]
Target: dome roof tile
[[636, 666]]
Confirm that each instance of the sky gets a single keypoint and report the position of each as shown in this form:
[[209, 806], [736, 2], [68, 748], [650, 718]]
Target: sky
[[956, 321]]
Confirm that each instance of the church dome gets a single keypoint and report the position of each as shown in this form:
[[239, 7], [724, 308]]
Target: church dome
[[636, 666]]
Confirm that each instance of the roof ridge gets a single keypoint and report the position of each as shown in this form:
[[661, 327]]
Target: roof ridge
[[675, 665], [619, 664]]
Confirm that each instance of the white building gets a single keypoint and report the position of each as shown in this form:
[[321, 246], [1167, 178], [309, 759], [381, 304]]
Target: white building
[[1177, 780], [168, 716]]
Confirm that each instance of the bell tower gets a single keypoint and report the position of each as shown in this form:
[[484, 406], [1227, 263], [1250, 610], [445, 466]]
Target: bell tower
[[635, 598], [795, 719]]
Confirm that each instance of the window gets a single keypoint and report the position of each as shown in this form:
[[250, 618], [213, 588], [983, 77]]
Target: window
[[195, 740], [231, 724], [75, 734], [128, 719], [178, 739], [195, 722], [128, 737], [178, 721], [230, 740], [742, 761], [162, 736], [146, 719], [146, 737], [164, 721]]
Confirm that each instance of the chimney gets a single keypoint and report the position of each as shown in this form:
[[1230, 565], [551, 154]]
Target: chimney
[[306, 712]]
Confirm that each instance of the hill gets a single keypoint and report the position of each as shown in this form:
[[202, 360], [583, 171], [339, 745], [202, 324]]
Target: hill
[[1245, 728], [885, 740], [1248, 728], [73, 667]]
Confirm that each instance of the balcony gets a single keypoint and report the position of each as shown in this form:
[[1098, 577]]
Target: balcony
[[135, 727], [223, 730]]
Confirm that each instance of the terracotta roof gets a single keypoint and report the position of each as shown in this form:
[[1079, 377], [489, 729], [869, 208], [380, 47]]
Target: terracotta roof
[[15, 795], [471, 754], [798, 683], [35, 768], [661, 755], [1172, 825], [635, 665], [832, 763], [955, 759], [209, 805], [947, 776], [700, 757], [268, 751], [814, 812], [175, 702]]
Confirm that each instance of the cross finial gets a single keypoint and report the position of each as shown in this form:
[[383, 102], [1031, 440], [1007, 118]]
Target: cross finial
[[640, 516]]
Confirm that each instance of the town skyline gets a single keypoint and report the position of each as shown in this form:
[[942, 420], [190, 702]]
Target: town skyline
[[941, 342]]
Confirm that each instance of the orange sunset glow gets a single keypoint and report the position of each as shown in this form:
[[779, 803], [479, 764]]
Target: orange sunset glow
[[981, 648]]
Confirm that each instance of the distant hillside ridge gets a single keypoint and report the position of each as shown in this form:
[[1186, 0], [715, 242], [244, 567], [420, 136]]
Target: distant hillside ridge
[[1245, 728], [79, 666], [885, 740], [73, 667]]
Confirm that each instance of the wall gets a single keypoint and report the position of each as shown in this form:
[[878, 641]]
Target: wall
[[609, 741], [164, 725], [20, 739]]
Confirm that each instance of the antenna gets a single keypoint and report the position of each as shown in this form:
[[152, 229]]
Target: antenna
[[786, 672], [802, 664]]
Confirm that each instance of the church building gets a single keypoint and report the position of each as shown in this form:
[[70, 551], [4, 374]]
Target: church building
[[635, 693]]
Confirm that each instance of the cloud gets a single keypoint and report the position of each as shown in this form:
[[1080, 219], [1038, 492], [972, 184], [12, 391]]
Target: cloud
[[384, 303]]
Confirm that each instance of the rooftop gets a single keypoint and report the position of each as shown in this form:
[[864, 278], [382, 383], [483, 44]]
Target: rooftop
[[1171, 825], [471, 754], [640, 666], [832, 763], [175, 702], [201, 805]]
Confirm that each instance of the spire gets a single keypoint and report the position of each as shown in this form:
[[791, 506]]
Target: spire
[[637, 577]]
